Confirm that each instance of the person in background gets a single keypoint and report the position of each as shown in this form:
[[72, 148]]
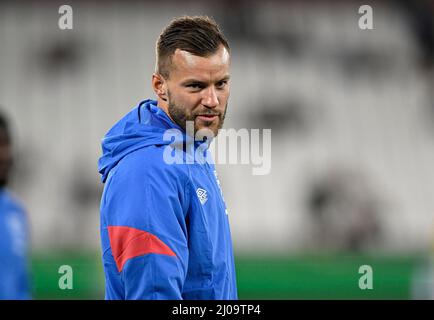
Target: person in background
[[14, 275]]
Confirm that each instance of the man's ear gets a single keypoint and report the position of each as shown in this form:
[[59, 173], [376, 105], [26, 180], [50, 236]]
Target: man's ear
[[160, 86]]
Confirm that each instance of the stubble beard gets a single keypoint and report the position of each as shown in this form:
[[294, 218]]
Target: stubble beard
[[180, 116]]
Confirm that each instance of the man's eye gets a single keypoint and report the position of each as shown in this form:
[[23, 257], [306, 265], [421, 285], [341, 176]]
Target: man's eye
[[221, 84], [194, 86]]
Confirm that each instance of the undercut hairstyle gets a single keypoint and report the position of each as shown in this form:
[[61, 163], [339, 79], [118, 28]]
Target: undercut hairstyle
[[198, 35]]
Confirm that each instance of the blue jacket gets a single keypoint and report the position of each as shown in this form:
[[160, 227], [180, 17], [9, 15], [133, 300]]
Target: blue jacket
[[164, 226], [14, 272]]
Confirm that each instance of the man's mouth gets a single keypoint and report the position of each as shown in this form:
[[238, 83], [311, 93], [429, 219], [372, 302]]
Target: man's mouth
[[207, 117]]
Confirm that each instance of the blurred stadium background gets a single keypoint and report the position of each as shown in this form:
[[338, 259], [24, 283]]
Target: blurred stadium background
[[352, 119]]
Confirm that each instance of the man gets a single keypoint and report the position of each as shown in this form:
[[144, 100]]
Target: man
[[14, 280], [164, 224]]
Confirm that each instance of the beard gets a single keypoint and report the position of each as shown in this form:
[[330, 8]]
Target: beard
[[180, 115]]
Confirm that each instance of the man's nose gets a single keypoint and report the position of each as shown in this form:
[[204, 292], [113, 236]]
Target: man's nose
[[210, 99]]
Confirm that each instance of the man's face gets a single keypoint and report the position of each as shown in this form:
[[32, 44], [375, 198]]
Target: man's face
[[5, 159], [198, 89]]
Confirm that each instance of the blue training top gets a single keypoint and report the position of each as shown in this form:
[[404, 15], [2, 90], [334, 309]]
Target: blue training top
[[14, 273], [164, 226]]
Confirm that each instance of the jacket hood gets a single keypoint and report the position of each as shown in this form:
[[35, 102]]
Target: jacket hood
[[143, 126]]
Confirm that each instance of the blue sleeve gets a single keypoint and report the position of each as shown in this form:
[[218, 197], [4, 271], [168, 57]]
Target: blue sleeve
[[22, 267], [23, 281], [145, 211], [14, 246]]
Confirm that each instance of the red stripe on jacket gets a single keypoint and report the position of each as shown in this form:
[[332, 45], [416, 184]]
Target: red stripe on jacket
[[127, 243]]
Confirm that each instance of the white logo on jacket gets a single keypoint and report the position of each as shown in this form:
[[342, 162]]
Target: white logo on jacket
[[202, 195]]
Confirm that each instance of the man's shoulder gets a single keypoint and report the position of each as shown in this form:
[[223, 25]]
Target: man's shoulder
[[150, 160], [9, 202]]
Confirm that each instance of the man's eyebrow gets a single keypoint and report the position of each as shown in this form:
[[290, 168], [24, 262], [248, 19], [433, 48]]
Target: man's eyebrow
[[188, 81], [192, 80], [225, 78]]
